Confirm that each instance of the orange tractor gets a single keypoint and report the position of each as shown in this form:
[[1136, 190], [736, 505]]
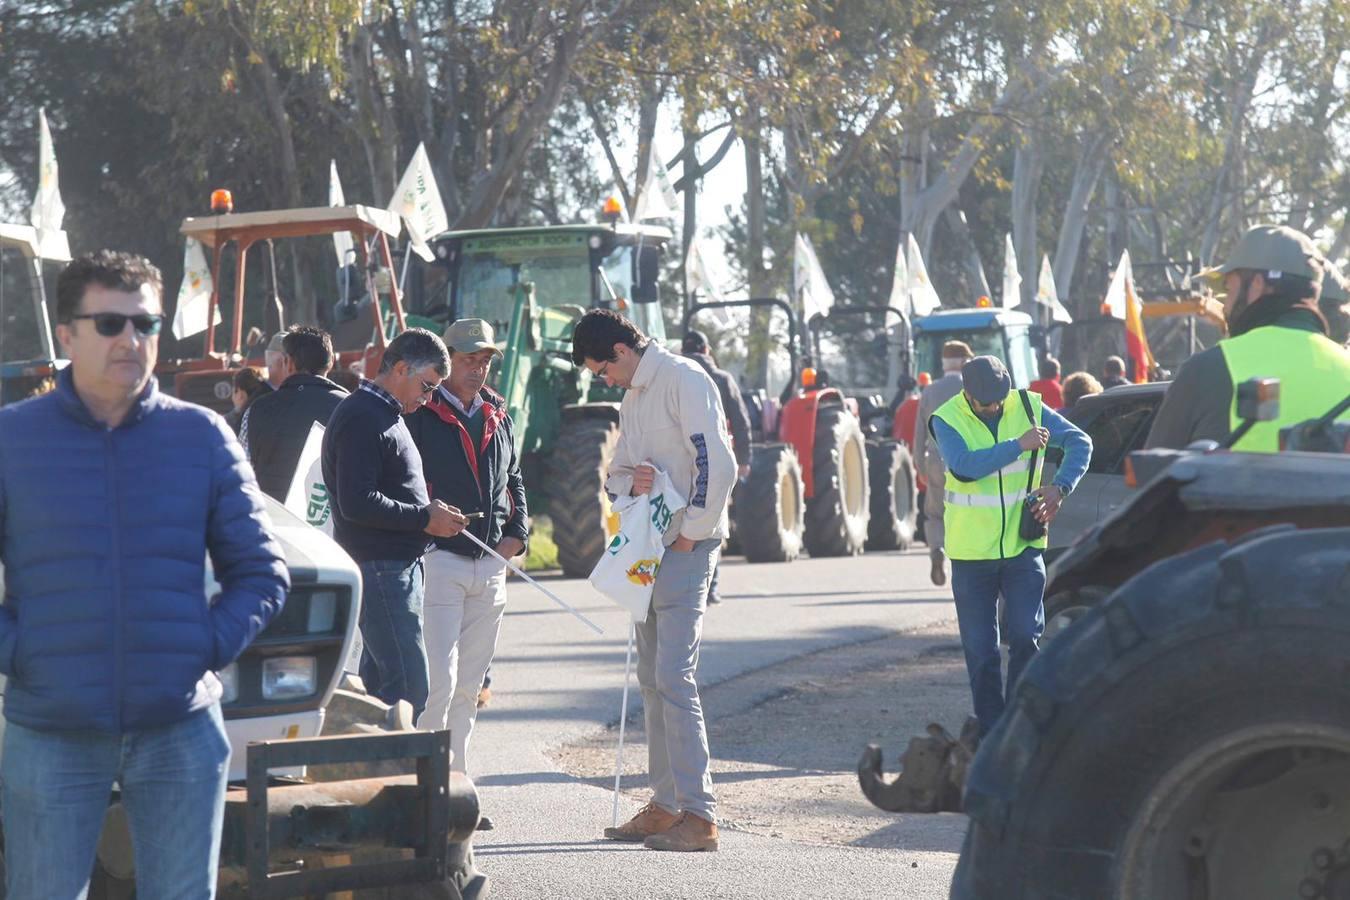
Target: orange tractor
[[207, 380], [809, 484]]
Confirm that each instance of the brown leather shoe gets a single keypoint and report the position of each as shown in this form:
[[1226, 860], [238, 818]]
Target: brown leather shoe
[[650, 820], [690, 833], [939, 573]]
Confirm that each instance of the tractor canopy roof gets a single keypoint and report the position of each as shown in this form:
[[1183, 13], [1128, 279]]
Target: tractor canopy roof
[[622, 229], [51, 245], [282, 223], [970, 320]]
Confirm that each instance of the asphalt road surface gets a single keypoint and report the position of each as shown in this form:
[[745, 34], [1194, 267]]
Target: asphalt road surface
[[556, 683]]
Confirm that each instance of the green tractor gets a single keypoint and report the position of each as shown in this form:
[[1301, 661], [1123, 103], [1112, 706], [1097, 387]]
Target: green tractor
[[532, 285]]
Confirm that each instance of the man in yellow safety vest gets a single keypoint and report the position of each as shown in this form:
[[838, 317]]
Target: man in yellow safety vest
[[991, 439], [1271, 281]]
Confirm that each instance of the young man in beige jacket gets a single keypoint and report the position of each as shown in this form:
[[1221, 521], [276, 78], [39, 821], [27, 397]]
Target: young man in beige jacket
[[671, 418]]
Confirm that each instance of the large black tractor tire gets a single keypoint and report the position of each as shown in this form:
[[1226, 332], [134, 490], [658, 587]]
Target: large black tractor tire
[[836, 516], [769, 507], [1190, 737], [577, 503], [895, 508]]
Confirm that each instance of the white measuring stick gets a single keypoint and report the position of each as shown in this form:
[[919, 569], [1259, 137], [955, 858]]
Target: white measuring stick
[[543, 590], [623, 719]]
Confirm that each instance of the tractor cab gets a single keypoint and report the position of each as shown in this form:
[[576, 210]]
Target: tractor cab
[[571, 268], [865, 352], [27, 350], [1003, 333], [207, 379]]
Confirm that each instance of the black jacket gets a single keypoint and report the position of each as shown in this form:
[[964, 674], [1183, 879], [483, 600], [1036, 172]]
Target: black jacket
[[486, 478], [738, 420], [279, 424]]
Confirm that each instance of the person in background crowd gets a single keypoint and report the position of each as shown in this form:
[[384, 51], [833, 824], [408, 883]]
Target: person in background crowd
[[1113, 373], [383, 516], [1048, 386], [1079, 385], [1335, 305], [906, 418], [277, 425], [987, 435], [670, 417], [278, 366], [926, 456], [468, 450], [695, 346], [249, 385], [345, 379], [112, 495]]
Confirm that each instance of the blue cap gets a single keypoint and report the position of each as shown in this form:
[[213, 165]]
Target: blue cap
[[986, 380]]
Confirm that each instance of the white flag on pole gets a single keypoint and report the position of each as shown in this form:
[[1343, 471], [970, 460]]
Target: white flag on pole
[[809, 284], [48, 211], [342, 240], [1048, 296], [194, 295], [418, 201], [900, 281], [1012, 279], [1114, 304], [656, 199], [923, 299]]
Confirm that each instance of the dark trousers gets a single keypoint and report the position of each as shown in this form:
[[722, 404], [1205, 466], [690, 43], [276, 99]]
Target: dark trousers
[[976, 585]]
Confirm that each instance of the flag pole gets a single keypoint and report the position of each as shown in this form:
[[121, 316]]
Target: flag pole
[[623, 718], [543, 590]]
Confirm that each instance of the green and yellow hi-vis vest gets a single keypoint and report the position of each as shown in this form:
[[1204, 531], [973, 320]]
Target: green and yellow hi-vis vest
[[982, 516], [1314, 374]]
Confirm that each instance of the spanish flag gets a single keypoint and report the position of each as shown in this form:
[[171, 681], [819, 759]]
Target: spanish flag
[[1122, 302]]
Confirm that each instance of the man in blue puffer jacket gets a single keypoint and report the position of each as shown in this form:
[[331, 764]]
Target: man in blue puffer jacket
[[111, 497]]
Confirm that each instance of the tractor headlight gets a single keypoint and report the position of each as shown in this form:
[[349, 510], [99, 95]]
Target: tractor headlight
[[229, 683], [288, 677]]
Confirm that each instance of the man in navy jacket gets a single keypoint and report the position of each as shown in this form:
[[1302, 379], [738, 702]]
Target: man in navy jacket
[[111, 497]]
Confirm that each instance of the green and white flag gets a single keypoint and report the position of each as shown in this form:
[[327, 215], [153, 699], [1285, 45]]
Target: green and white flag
[[194, 295], [418, 201]]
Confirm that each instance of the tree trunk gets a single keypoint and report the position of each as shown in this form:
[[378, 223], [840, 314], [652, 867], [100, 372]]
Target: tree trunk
[[1087, 173], [1028, 165], [977, 281]]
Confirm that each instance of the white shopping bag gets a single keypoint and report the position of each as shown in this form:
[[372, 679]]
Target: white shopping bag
[[627, 569]]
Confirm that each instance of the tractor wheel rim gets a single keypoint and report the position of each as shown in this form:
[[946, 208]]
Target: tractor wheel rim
[[1256, 813], [788, 501], [852, 476]]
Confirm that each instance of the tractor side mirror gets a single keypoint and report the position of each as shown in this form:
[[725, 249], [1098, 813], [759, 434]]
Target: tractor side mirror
[[646, 274], [1258, 400]]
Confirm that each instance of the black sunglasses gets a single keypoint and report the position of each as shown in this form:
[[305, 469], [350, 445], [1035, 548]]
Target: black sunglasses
[[112, 324]]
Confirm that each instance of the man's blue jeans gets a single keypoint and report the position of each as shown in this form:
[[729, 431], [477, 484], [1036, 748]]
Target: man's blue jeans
[[393, 655], [56, 789], [976, 585]]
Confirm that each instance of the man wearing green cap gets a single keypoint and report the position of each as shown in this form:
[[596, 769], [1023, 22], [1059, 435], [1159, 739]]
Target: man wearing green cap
[[469, 459], [1271, 282]]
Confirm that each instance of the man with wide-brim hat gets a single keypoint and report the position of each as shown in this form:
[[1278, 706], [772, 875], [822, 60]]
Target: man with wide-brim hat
[[1271, 282], [469, 459]]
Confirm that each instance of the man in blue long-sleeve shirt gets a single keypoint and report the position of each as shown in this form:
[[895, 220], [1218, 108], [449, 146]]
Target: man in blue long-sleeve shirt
[[991, 439], [382, 514]]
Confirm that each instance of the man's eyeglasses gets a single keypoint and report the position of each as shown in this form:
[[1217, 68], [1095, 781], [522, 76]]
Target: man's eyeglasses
[[429, 386], [602, 371], [112, 324]]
